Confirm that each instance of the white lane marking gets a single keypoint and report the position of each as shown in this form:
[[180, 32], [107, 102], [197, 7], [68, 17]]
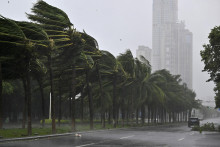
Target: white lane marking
[[192, 133], [127, 137], [85, 145], [181, 139]]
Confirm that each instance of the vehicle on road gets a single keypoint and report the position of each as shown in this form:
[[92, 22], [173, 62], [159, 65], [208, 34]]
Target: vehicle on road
[[193, 121]]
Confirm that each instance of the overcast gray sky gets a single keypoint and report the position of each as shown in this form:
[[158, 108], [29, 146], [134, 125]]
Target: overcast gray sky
[[124, 24]]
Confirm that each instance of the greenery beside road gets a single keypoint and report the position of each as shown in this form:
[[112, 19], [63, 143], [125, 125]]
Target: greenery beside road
[[206, 127]]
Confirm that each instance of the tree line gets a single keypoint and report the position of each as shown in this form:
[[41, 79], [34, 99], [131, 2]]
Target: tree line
[[47, 54]]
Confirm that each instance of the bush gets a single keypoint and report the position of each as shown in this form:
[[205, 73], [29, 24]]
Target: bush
[[49, 121], [206, 127]]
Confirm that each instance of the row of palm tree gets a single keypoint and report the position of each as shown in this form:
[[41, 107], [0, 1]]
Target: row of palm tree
[[49, 50]]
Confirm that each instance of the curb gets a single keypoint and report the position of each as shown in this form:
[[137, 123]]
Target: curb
[[34, 137]]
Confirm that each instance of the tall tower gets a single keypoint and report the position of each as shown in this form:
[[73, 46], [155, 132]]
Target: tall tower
[[165, 11], [172, 43], [165, 17]]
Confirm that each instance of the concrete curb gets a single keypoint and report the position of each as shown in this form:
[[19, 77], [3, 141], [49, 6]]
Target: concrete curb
[[34, 137], [81, 132]]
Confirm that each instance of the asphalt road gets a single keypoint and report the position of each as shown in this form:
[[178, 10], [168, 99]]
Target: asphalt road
[[161, 136]]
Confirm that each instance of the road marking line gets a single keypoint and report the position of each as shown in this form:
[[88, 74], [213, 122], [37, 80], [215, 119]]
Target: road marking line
[[126, 137], [192, 133], [181, 139], [85, 145]]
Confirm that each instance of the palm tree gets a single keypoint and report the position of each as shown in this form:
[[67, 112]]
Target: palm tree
[[178, 98], [147, 89], [60, 33], [18, 39], [13, 38], [127, 61], [89, 55], [36, 34], [112, 72], [88, 65], [39, 71]]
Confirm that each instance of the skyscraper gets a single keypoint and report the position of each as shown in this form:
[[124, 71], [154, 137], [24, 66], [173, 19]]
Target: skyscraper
[[145, 52], [172, 43]]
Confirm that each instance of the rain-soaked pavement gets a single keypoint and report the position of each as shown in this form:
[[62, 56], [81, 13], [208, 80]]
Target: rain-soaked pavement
[[160, 136]]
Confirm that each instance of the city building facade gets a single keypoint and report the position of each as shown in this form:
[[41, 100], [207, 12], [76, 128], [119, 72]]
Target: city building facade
[[171, 42], [145, 52]]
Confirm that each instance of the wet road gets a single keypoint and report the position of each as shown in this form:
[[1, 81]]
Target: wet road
[[160, 136]]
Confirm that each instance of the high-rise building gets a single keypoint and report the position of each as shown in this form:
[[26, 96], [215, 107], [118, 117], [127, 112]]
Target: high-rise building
[[185, 52], [145, 52], [172, 43]]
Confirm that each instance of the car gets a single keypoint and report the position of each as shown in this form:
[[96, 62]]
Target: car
[[193, 121]]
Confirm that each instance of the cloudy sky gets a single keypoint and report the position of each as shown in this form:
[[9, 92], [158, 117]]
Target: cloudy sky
[[125, 24]]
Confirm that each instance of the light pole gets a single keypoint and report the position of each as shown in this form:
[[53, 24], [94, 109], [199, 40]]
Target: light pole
[[50, 107]]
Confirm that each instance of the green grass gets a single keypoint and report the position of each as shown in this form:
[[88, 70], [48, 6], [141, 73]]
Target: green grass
[[64, 128], [17, 132], [49, 121], [12, 133]]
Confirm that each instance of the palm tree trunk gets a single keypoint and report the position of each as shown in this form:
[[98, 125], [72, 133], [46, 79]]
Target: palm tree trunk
[[116, 115], [132, 104], [1, 99], [60, 101], [73, 91], [82, 106], [142, 114], [152, 115], [137, 112], [114, 101], [101, 96], [90, 100], [148, 115], [123, 112], [170, 117], [29, 99], [155, 115], [42, 101], [70, 103], [127, 115], [109, 116], [165, 116], [174, 117], [162, 115], [25, 103], [52, 95], [185, 116]]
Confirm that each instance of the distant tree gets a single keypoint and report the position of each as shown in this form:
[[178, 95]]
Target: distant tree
[[211, 58]]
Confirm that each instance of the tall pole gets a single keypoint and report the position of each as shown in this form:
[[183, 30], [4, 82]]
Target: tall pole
[[50, 107]]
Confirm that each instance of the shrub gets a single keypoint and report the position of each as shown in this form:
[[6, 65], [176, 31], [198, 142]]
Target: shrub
[[206, 127], [49, 121]]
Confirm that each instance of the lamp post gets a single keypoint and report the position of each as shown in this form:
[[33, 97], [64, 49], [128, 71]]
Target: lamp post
[[50, 107]]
